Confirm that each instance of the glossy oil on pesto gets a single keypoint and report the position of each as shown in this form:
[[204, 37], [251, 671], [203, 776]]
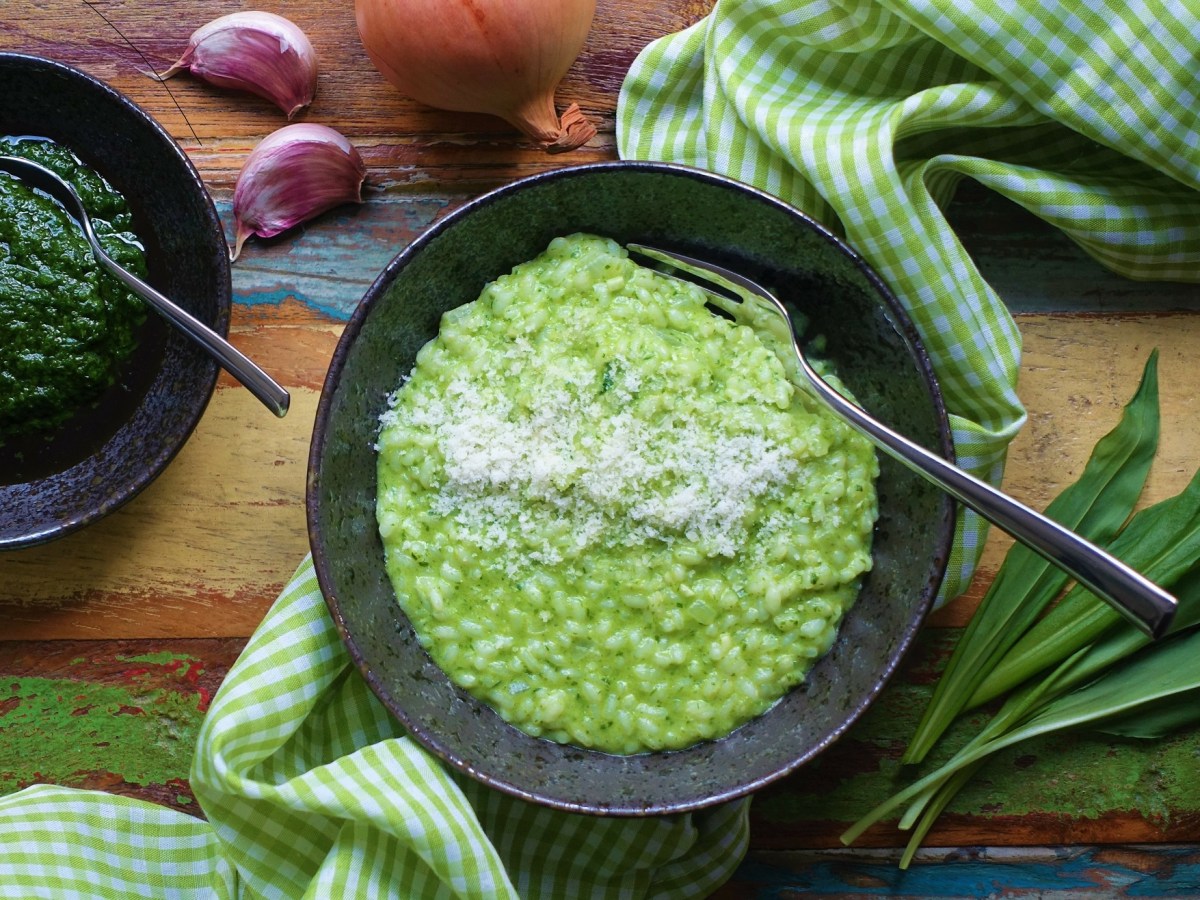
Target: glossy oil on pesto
[[609, 515], [65, 325]]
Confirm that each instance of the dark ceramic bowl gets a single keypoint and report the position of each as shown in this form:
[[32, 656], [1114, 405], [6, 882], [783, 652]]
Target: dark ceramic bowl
[[869, 340], [55, 483]]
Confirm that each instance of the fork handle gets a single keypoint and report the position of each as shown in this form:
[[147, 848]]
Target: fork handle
[[1139, 599]]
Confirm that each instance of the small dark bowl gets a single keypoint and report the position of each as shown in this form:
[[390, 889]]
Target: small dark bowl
[[52, 484], [869, 340]]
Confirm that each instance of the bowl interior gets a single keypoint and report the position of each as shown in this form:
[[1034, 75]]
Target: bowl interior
[[868, 339], [52, 484]]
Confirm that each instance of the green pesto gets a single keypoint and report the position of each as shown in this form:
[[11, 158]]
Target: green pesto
[[65, 325], [607, 512]]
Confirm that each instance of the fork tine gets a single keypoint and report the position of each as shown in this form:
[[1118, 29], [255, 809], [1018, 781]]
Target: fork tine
[[747, 301], [667, 265], [732, 282]]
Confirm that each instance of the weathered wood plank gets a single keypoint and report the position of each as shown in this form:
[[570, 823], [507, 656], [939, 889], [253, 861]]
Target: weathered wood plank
[[123, 716], [971, 873], [119, 716], [1036, 268], [202, 552], [205, 549], [118, 40], [1065, 789], [1076, 375], [114, 639]]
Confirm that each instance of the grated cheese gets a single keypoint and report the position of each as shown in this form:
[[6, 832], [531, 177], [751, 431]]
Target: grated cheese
[[607, 512]]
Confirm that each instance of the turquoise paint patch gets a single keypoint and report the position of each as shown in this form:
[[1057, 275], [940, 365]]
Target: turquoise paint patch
[[1038, 269], [950, 875], [327, 264], [338, 311]]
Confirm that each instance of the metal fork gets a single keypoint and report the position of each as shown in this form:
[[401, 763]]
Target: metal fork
[[1140, 600]]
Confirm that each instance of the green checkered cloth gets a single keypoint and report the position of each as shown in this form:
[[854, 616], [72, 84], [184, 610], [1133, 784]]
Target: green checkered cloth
[[864, 114], [868, 114], [311, 789]]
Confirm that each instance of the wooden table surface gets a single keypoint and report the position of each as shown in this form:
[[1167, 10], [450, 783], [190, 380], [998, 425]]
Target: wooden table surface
[[113, 640]]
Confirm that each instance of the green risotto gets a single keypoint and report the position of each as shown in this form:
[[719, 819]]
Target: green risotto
[[607, 512], [65, 325]]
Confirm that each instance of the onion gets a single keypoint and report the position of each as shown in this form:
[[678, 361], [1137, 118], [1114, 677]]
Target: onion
[[502, 57]]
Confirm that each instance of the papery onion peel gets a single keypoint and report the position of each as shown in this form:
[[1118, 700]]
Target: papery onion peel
[[502, 57]]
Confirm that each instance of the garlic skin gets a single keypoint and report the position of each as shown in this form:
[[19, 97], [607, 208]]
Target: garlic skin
[[253, 51], [293, 175]]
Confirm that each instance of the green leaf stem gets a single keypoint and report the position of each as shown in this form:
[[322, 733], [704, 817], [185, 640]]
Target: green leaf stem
[[1096, 506], [1162, 542]]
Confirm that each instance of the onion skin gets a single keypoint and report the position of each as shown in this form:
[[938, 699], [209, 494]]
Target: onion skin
[[501, 57]]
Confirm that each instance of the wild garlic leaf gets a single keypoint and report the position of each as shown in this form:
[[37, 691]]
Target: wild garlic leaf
[[1095, 506], [1157, 720], [1156, 688], [1097, 672], [1161, 541], [1150, 721], [1167, 669]]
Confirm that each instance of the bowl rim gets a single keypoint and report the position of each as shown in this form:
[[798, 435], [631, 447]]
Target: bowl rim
[[46, 531], [902, 322]]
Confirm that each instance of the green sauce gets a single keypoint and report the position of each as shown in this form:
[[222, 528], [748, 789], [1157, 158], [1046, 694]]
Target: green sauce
[[65, 325], [608, 513]]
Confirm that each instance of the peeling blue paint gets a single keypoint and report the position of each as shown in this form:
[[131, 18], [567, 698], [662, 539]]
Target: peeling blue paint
[[338, 311], [963, 874], [327, 264]]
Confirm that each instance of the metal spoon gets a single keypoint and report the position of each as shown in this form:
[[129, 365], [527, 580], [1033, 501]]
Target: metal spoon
[[1140, 600], [258, 382]]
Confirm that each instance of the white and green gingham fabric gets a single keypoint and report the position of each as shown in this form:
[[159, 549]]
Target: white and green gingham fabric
[[312, 790], [865, 114]]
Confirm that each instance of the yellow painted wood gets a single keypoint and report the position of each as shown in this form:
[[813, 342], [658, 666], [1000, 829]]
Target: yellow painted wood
[[205, 549], [200, 553], [1077, 373]]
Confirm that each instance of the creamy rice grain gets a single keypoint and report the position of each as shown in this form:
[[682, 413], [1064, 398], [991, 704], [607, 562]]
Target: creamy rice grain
[[609, 515]]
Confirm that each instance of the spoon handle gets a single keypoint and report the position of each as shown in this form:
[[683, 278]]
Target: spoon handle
[[236, 363], [1139, 599]]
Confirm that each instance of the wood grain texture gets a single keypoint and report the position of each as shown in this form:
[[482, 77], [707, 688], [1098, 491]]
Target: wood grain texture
[[113, 639], [1035, 873], [205, 549], [123, 716], [404, 142], [1068, 789], [201, 552], [118, 716], [1038, 269], [1077, 373]]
